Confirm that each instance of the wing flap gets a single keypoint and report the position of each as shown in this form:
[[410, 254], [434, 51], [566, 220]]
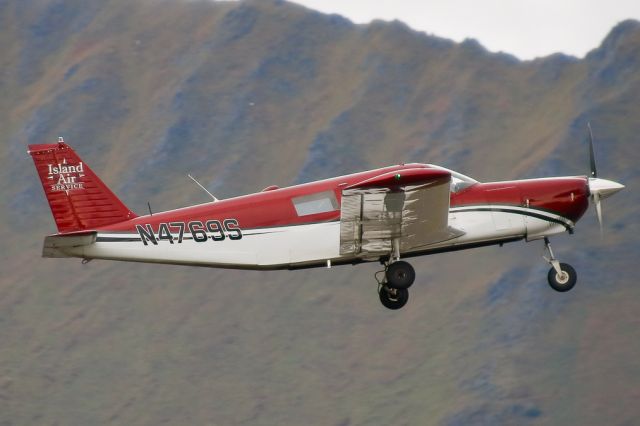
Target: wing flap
[[411, 206]]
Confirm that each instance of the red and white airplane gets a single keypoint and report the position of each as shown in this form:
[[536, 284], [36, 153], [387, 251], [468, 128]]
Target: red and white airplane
[[382, 215]]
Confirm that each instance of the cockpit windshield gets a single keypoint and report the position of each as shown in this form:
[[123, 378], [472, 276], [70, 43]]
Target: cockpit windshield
[[458, 180]]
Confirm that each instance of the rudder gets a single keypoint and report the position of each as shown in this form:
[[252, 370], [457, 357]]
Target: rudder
[[78, 199]]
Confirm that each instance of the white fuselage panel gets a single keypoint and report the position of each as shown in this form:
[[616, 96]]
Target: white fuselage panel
[[312, 244]]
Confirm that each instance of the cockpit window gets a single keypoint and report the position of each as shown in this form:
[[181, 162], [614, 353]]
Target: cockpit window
[[321, 202], [458, 180], [458, 184]]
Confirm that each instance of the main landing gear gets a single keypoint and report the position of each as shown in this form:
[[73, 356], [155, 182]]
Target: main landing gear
[[393, 286], [562, 277]]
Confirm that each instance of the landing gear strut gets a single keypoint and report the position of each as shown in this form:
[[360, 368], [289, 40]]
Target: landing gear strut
[[562, 277]]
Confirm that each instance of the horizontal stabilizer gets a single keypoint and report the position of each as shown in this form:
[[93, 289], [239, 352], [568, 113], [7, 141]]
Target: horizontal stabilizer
[[58, 245]]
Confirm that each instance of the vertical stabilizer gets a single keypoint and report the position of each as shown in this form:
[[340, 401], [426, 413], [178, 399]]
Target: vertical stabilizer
[[79, 200]]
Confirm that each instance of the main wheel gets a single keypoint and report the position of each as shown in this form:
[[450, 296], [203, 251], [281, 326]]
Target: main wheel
[[400, 274], [565, 281], [394, 298]]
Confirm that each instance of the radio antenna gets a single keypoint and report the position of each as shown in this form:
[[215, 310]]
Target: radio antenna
[[203, 188]]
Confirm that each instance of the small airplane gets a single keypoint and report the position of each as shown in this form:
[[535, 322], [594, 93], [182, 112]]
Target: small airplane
[[383, 215]]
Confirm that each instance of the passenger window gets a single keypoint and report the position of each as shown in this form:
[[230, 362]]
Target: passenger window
[[321, 202]]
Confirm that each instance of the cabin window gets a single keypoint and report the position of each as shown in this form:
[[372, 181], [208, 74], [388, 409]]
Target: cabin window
[[458, 185], [321, 202]]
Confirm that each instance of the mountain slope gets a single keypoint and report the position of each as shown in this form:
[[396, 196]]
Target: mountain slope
[[247, 94]]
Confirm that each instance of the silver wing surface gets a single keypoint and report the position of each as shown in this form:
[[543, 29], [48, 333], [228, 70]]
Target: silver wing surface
[[410, 207]]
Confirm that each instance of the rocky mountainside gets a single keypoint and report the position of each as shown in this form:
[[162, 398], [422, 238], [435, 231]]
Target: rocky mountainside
[[258, 92]]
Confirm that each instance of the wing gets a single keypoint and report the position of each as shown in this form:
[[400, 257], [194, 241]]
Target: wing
[[410, 205]]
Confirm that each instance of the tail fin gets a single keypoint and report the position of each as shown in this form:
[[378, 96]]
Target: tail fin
[[79, 200]]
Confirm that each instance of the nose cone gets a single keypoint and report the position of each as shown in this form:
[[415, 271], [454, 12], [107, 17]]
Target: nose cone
[[603, 187]]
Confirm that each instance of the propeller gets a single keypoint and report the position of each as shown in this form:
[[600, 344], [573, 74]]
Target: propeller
[[592, 156], [599, 188]]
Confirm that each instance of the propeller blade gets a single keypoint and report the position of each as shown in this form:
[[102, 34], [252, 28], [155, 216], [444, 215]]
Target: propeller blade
[[592, 157], [598, 203], [599, 188]]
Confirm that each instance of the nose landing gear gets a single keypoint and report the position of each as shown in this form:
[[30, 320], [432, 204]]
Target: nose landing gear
[[562, 277], [393, 286]]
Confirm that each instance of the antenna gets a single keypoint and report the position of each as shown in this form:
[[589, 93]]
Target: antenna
[[149, 205], [203, 188]]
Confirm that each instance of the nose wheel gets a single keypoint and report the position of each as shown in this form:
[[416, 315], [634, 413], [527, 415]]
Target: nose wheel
[[563, 281], [394, 282], [562, 277]]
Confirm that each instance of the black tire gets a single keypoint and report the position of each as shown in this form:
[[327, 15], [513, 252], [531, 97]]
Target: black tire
[[394, 298], [400, 274], [565, 282]]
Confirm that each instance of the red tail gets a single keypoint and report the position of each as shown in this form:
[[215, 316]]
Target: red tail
[[79, 200]]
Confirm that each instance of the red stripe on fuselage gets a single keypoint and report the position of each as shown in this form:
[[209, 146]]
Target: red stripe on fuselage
[[262, 209], [275, 207]]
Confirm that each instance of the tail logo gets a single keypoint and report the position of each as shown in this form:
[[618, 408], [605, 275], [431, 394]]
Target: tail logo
[[66, 176]]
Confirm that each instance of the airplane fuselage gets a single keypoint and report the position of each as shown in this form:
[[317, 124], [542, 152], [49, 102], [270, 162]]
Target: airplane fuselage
[[299, 226]]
